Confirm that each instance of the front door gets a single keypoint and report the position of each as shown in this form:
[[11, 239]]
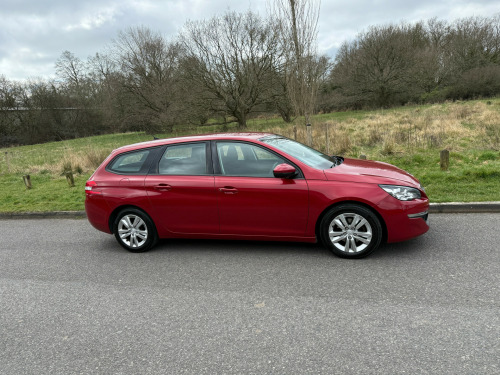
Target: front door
[[251, 200]]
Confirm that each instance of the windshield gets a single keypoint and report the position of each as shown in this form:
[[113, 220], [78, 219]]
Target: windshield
[[307, 155]]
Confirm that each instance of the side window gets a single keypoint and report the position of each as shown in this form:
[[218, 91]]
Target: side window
[[129, 163], [185, 159], [243, 159]]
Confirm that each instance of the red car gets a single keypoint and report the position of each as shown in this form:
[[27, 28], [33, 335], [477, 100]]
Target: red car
[[252, 186]]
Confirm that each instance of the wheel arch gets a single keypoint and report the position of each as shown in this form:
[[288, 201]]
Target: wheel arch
[[117, 210], [354, 202]]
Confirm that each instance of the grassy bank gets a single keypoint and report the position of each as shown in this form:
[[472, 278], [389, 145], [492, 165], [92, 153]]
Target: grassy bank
[[409, 137]]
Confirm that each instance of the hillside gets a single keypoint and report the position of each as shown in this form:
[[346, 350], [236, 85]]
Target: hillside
[[409, 137]]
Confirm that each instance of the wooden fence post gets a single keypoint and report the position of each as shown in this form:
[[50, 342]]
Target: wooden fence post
[[445, 160], [309, 135], [7, 161], [70, 179], [327, 128], [27, 181]]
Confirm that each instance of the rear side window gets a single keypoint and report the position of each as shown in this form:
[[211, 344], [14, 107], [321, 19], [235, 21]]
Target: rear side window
[[129, 163], [185, 159]]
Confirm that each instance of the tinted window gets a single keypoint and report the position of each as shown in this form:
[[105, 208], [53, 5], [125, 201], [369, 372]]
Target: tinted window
[[131, 162], [186, 159], [242, 159]]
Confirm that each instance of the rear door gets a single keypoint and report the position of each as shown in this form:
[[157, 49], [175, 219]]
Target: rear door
[[181, 190]]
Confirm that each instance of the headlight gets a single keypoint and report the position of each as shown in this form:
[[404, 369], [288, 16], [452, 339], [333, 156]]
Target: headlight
[[403, 193]]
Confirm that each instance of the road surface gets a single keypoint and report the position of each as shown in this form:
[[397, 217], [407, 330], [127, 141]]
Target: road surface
[[72, 301]]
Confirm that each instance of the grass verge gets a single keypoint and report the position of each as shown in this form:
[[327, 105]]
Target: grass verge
[[48, 193], [409, 137]]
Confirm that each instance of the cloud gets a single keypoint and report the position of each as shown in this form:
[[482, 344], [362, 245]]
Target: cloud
[[34, 33], [93, 21], [342, 20]]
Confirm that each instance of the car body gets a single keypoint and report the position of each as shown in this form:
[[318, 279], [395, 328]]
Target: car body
[[252, 186]]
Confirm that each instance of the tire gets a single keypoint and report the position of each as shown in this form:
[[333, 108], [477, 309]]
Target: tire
[[350, 231], [134, 230]]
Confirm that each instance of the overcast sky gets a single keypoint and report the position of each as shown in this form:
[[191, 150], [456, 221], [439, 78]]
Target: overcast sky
[[34, 33]]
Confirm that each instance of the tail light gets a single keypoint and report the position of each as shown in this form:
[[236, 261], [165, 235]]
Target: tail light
[[90, 188]]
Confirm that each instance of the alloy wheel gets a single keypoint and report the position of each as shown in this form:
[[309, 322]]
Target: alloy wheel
[[133, 231], [350, 232]]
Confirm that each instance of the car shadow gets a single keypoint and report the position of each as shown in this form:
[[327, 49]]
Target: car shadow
[[238, 246], [411, 248]]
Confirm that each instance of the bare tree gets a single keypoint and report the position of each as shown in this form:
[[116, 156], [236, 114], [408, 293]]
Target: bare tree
[[101, 67], [302, 67], [475, 42], [280, 98], [377, 69], [426, 61], [149, 67], [472, 57], [8, 98], [431, 68], [8, 103], [231, 57], [70, 68], [74, 81], [107, 85]]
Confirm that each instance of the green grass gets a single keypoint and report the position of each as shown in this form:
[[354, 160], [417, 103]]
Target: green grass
[[409, 137], [26, 159], [470, 178], [48, 193]]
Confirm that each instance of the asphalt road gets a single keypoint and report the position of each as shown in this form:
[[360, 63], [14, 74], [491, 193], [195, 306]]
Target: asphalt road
[[73, 302]]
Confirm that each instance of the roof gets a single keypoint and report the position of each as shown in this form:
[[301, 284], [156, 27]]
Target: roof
[[193, 138]]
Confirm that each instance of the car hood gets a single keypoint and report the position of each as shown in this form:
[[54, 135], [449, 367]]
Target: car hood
[[355, 170]]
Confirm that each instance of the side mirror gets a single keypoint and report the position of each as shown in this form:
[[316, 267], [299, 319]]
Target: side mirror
[[284, 171]]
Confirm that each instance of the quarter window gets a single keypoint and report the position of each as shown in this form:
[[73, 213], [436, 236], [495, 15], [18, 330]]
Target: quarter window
[[129, 163]]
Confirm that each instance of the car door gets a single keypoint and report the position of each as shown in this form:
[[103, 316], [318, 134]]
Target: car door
[[181, 190], [251, 200]]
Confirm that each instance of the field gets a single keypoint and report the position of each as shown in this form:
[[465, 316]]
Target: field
[[409, 137]]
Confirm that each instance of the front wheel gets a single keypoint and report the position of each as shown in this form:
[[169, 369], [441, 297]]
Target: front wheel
[[350, 231], [134, 230]]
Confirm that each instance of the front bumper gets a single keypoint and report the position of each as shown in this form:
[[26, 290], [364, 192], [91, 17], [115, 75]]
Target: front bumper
[[405, 219]]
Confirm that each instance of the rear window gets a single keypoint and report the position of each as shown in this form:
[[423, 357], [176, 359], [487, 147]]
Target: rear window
[[129, 163]]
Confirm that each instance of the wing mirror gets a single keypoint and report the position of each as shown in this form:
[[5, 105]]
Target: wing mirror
[[284, 171]]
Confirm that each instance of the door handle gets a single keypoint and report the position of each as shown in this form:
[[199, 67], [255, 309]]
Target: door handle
[[162, 187], [228, 190]]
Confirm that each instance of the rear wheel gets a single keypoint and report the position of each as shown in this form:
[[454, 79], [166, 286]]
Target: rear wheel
[[134, 230], [351, 231]]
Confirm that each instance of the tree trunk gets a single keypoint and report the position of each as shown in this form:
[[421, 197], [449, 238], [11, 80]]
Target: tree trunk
[[242, 120]]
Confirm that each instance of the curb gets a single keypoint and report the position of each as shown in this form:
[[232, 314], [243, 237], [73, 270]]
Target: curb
[[435, 208], [44, 215], [470, 207]]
